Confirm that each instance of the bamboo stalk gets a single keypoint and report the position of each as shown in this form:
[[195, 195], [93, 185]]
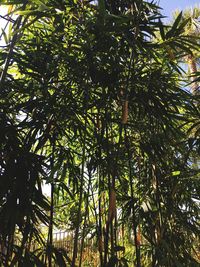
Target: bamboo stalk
[[137, 248], [106, 239], [75, 249], [100, 240], [11, 48], [50, 233], [85, 220]]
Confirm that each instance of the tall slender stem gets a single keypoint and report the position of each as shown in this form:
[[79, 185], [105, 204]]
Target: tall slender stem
[[109, 191], [50, 233], [50, 242], [137, 248], [11, 48], [75, 249], [85, 219]]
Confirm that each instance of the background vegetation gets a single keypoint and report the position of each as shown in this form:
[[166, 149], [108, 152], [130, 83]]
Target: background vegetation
[[95, 101]]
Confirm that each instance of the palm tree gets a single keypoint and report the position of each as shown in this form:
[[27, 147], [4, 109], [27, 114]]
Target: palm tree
[[192, 29]]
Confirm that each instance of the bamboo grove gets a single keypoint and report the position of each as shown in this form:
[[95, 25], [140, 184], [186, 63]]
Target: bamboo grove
[[96, 102]]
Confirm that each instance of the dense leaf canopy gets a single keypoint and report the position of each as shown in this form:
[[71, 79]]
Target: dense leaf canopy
[[94, 102]]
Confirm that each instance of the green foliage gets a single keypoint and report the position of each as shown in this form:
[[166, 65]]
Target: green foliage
[[93, 103]]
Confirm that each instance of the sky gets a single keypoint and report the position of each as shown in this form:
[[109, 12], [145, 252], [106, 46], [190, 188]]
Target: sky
[[170, 5]]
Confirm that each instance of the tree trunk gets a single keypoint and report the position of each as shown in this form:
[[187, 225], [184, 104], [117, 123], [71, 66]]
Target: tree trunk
[[192, 66]]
